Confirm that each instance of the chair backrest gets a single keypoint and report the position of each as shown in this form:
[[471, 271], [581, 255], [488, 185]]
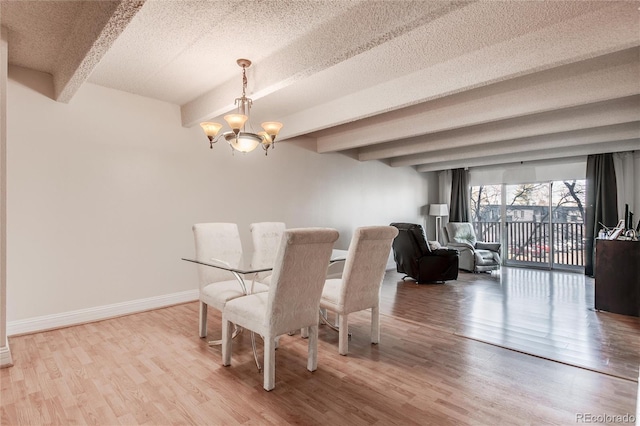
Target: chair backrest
[[219, 241], [408, 247], [266, 238], [365, 267], [298, 278], [461, 232]]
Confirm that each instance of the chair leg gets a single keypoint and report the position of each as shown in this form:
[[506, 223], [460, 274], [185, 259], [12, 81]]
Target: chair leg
[[375, 324], [312, 359], [227, 342], [269, 363], [202, 322], [343, 335], [304, 331]]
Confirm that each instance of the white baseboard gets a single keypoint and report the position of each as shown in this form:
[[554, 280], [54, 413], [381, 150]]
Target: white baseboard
[[5, 355], [65, 319]]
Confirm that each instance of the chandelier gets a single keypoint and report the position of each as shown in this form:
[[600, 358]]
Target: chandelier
[[238, 138]]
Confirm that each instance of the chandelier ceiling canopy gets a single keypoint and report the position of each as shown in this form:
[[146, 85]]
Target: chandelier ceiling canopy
[[238, 137]]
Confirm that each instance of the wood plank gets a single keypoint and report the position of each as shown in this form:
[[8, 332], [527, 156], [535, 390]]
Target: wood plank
[[151, 367]]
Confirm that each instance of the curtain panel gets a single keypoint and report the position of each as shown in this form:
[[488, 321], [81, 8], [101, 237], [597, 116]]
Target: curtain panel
[[444, 193], [460, 195], [602, 208], [625, 181]]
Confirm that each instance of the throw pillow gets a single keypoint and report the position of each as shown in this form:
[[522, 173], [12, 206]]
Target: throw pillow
[[434, 245]]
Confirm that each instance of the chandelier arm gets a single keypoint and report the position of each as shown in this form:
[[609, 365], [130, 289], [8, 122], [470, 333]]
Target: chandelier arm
[[213, 140]]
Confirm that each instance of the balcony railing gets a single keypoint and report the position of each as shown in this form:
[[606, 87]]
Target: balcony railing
[[532, 241]]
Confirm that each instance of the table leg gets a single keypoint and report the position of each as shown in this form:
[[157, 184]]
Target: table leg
[[236, 332], [324, 319]]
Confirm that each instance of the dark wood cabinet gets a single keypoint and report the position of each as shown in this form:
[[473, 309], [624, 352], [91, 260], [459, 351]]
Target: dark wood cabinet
[[618, 277]]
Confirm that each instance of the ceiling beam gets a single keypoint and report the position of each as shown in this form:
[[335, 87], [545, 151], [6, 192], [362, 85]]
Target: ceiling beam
[[598, 114], [463, 56], [603, 78], [546, 154], [442, 49], [575, 138], [95, 30], [317, 51]]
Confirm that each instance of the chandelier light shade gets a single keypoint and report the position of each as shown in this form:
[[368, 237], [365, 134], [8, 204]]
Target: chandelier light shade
[[238, 137]]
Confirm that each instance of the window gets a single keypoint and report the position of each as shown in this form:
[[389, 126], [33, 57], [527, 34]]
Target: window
[[539, 223]]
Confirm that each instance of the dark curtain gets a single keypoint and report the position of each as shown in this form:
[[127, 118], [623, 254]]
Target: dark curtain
[[459, 210], [602, 203]]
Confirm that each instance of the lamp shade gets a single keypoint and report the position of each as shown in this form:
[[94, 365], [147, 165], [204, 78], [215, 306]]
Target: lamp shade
[[438, 210], [236, 121], [272, 128], [211, 129]]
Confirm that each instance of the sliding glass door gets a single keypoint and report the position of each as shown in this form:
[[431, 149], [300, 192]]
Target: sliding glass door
[[539, 224], [527, 224], [567, 223]]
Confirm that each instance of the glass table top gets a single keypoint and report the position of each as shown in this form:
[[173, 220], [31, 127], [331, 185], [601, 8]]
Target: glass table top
[[251, 262]]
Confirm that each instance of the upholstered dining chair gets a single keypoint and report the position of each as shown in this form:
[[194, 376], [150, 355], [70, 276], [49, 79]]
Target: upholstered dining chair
[[359, 287], [220, 241], [266, 238], [293, 299]]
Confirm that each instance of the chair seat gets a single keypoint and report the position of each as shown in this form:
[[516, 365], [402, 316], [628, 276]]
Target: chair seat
[[265, 280], [331, 294], [248, 311], [217, 294]]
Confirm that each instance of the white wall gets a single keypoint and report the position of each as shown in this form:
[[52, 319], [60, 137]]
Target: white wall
[[5, 352], [102, 193]]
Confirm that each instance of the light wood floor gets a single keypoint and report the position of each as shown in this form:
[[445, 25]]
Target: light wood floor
[[151, 368], [548, 314]]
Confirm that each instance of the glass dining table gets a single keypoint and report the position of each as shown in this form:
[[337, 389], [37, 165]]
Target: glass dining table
[[247, 266], [250, 264]]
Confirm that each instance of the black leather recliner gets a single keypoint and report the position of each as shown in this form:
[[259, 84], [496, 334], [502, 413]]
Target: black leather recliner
[[414, 257]]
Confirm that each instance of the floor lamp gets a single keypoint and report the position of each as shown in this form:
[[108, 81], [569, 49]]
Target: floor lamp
[[438, 210]]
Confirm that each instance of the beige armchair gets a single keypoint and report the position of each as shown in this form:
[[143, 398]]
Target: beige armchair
[[475, 256]]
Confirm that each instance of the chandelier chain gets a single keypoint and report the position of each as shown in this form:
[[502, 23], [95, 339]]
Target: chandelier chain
[[244, 81]]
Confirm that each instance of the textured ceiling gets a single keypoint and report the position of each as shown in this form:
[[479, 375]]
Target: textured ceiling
[[428, 84]]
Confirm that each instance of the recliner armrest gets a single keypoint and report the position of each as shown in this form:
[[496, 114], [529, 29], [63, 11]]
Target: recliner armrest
[[482, 245], [444, 252], [460, 245]]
